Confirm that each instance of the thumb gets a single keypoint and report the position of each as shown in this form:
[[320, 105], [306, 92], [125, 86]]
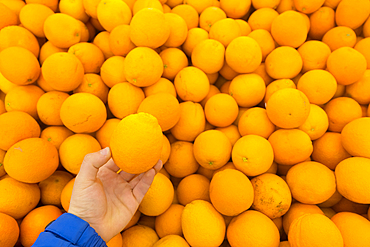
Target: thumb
[[91, 164]]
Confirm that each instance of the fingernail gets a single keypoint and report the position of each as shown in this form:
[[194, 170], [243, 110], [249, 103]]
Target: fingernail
[[105, 151]]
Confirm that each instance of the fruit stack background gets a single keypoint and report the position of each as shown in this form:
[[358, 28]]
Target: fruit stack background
[[263, 104]]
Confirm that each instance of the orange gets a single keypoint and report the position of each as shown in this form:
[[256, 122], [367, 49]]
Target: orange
[[231, 132], [111, 71], [159, 196], [354, 228], [314, 230], [33, 15], [225, 30], [141, 4], [188, 128], [209, 56], [333, 200], [74, 9], [338, 37], [119, 40], [262, 18], [191, 84], [82, 118], [352, 174], [221, 110], [31, 160], [135, 130], [357, 90], [48, 107], [202, 225], [246, 155], [19, 65], [272, 195], [104, 134], [19, 36], [243, 54], [89, 55], [317, 122], [252, 228], [2, 170], [181, 161], [212, 91], [296, 210], [288, 108], [139, 235], [341, 111], [48, 49], [255, 121], [165, 153], [171, 240], [143, 67], [62, 67], [277, 85], [62, 30], [101, 40], [188, 13], [247, 89], [8, 17], [174, 60], [178, 30], [289, 29], [355, 137], [35, 222], [229, 7], [16, 126], [24, 98], [257, 4], [291, 146], [307, 6], [261, 71], [195, 36], [361, 47], [149, 28], [133, 220], [65, 196], [311, 182], [56, 135], [210, 16], [264, 40], [17, 198], [10, 230], [164, 107], [193, 187], [318, 85], [347, 65], [314, 55], [321, 21], [352, 14], [93, 84], [169, 223], [5, 86], [73, 150], [163, 85], [212, 149], [52, 187], [231, 192], [284, 62], [199, 6], [112, 13]]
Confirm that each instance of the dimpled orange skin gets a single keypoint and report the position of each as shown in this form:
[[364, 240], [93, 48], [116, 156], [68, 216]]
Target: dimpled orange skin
[[136, 143]]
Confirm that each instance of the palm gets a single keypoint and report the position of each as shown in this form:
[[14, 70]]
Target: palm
[[109, 201]]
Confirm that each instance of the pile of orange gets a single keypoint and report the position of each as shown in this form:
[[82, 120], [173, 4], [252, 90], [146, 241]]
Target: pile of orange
[[258, 109]]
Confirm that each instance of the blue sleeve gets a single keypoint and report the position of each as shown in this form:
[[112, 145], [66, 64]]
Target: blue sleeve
[[69, 231]]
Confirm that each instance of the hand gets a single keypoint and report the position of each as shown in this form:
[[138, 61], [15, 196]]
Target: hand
[[107, 200]]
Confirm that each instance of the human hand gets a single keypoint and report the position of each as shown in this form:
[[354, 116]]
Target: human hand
[[107, 200]]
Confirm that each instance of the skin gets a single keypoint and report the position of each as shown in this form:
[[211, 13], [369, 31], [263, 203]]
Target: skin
[[107, 200]]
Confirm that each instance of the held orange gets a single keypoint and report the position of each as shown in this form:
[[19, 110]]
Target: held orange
[[136, 143]]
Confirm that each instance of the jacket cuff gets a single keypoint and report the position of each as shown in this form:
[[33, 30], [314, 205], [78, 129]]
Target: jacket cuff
[[75, 230]]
